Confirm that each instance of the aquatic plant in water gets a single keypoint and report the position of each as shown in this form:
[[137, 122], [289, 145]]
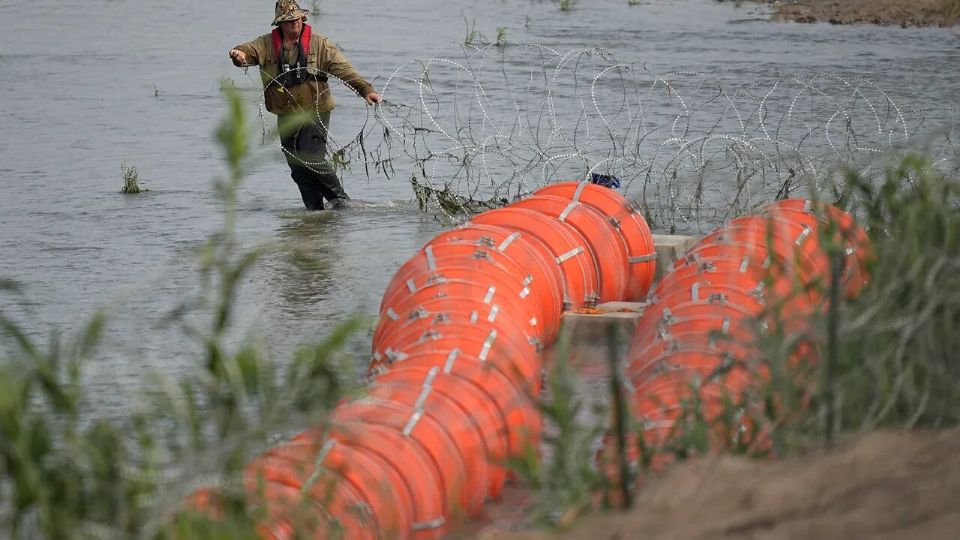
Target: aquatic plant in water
[[131, 179], [501, 36]]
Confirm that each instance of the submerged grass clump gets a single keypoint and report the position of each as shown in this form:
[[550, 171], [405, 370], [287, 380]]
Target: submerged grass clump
[[131, 179], [451, 205], [501, 36], [471, 34]]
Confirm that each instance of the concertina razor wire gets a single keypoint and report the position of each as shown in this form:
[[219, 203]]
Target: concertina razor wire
[[474, 127]]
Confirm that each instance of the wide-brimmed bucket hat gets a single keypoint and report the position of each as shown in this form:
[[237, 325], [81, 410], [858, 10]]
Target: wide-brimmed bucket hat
[[288, 10]]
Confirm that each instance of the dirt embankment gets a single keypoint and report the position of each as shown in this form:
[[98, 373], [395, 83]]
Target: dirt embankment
[[884, 485], [885, 12]]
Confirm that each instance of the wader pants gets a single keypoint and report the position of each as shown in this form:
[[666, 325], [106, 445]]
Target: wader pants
[[305, 148]]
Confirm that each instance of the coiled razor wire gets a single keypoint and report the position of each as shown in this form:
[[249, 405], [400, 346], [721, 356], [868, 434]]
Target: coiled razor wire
[[474, 127]]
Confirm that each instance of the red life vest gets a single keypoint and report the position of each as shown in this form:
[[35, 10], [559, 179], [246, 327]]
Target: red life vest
[[278, 42], [297, 73]]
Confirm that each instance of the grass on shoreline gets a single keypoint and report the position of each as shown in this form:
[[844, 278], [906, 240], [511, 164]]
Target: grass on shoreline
[[65, 473], [885, 361]]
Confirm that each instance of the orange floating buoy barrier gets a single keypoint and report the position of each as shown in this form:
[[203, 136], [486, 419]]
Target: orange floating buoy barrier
[[436, 313], [626, 218], [518, 409], [565, 245], [437, 264], [456, 369], [474, 403], [604, 241], [465, 434], [695, 344], [381, 489], [459, 498], [517, 359], [547, 280]]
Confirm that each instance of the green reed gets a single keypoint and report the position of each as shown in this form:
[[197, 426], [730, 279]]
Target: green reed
[[65, 472], [884, 359], [131, 179]]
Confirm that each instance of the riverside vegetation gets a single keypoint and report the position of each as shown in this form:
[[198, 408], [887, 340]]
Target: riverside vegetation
[[886, 359], [64, 473], [131, 179]]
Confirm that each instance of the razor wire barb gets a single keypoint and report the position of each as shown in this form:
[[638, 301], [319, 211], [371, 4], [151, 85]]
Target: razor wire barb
[[474, 127]]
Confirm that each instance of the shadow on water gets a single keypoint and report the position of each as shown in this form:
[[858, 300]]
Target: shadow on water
[[303, 265]]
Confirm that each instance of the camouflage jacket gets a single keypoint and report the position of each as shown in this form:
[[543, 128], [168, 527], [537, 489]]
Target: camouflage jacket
[[323, 58]]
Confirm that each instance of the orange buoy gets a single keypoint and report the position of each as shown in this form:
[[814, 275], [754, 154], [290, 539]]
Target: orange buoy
[[702, 291], [795, 298], [725, 358], [521, 363], [383, 491], [547, 279], [858, 248], [518, 409], [756, 254], [288, 514], [716, 322], [794, 245], [565, 245], [604, 241], [409, 460], [428, 267], [438, 312], [665, 396], [626, 218], [459, 499], [467, 286], [467, 437], [474, 403]]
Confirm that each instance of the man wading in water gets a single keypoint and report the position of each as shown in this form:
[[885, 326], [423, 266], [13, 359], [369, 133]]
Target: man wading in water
[[294, 63]]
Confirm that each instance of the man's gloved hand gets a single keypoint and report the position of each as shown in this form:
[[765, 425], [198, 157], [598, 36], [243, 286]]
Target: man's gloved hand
[[239, 59]]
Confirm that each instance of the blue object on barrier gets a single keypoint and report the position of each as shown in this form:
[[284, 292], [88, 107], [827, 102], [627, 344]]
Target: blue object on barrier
[[605, 180]]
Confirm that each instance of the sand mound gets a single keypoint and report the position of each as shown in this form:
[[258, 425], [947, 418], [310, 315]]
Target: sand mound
[[885, 12], [884, 485]]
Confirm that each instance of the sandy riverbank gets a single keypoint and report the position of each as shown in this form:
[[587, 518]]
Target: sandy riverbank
[[903, 13], [883, 485]]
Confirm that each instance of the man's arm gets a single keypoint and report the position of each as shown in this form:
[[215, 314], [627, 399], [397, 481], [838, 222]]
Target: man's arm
[[246, 54]]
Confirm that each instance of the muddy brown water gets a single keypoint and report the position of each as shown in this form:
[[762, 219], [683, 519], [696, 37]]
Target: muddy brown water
[[86, 85]]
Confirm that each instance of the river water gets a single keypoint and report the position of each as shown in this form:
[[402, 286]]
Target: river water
[[85, 86]]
